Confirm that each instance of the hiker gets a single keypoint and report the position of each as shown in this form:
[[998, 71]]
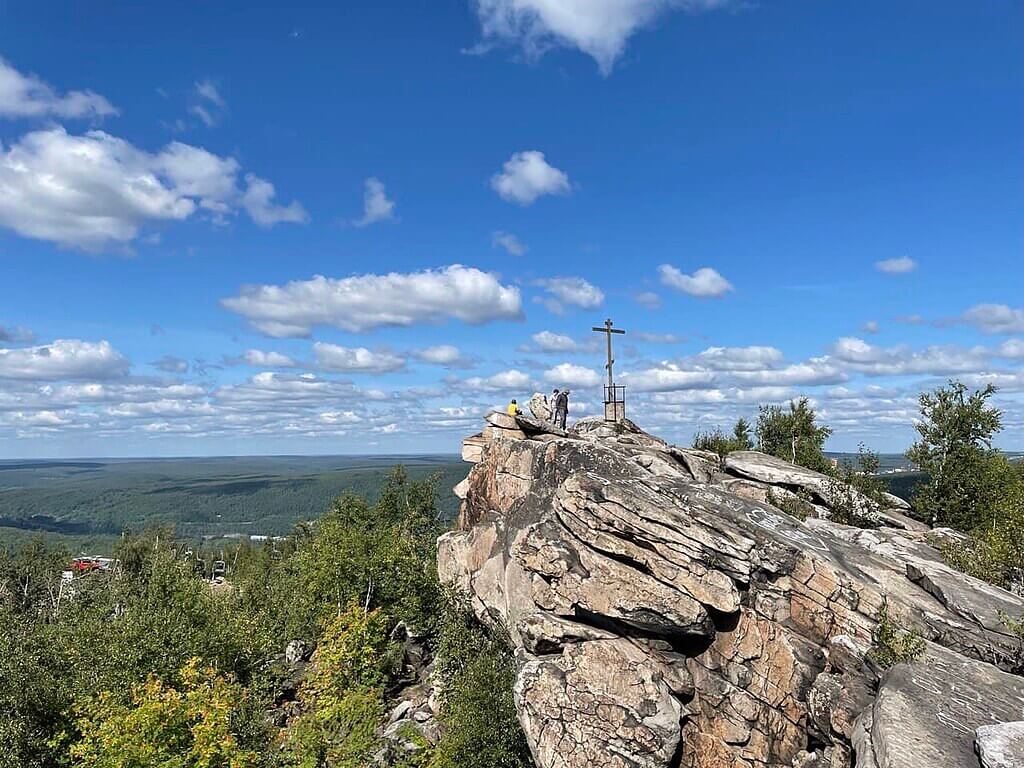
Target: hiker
[[552, 404], [513, 408], [561, 408]]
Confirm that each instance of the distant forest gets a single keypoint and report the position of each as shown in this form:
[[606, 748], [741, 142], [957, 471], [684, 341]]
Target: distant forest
[[90, 503]]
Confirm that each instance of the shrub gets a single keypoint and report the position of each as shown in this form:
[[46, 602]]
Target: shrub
[[793, 435], [893, 645]]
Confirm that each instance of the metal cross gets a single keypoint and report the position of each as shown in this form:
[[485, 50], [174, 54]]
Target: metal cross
[[608, 330]]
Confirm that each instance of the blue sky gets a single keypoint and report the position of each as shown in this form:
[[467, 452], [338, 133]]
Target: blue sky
[[325, 230]]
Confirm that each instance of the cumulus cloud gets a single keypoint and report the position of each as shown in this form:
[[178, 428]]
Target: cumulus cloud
[[258, 358], [995, 318], [94, 190], [668, 378], [258, 201], [574, 291], [25, 95], [598, 28], [331, 357], [570, 375], [547, 341], [704, 283], [898, 266], [512, 245], [881, 361], [505, 381], [1012, 348], [442, 354], [63, 359], [366, 302], [739, 358], [527, 176], [376, 205]]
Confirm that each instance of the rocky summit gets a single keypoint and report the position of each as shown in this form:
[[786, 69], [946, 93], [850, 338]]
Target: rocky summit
[[666, 612]]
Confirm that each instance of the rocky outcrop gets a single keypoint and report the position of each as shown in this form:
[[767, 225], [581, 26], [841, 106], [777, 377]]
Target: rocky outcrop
[[664, 615]]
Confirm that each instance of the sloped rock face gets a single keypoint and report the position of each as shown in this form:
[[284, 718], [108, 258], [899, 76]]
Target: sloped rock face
[[664, 617]]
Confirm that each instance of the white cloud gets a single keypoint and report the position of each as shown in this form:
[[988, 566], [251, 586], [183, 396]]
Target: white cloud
[[599, 28], [500, 382], [210, 105], [569, 375], [1012, 348], [658, 338], [376, 205], [512, 245], [93, 190], [331, 357], [995, 318], [667, 378], [207, 90], [442, 354], [894, 361], [258, 201], [548, 341], [527, 176], [574, 291], [899, 266], [871, 326], [366, 302], [24, 95], [705, 282], [648, 299], [739, 358], [63, 359], [258, 358]]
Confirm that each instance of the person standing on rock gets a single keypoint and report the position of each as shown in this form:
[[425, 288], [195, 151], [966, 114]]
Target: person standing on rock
[[553, 404], [561, 408]]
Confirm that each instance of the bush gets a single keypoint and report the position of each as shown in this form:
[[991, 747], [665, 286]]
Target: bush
[[893, 645], [192, 725], [856, 492], [718, 442]]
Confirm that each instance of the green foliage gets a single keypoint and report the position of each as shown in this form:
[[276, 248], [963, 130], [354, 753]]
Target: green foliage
[[343, 696], [477, 673], [793, 435], [718, 442], [954, 447], [856, 491], [995, 551], [893, 645], [798, 505], [192, 725]]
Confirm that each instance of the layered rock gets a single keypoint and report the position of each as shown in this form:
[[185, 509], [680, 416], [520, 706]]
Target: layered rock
[[664, 615]]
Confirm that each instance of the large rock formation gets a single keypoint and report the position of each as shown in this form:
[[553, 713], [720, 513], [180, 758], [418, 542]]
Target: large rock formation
[[664, 615]]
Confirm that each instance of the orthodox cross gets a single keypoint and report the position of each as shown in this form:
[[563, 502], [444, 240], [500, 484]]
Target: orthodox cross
[[608, 330]]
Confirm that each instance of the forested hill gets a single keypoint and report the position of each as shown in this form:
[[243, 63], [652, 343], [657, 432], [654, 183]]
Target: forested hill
[[90, 500]]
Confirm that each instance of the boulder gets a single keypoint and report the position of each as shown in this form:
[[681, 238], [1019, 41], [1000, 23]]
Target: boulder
[[663, 616], [539, 407], [927, 712], [501, 420], [1001, 745]]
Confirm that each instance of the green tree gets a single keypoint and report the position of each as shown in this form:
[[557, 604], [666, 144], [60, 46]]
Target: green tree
[[965, 476], [793, 435]]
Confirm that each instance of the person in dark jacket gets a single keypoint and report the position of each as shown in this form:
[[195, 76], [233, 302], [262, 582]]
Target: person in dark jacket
[[561, 408]]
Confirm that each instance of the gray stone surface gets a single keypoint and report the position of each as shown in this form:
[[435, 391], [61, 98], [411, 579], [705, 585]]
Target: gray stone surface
[[1000, 746], [663, 618]]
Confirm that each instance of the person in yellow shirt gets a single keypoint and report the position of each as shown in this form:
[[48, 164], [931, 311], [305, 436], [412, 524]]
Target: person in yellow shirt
[[513, 409]]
